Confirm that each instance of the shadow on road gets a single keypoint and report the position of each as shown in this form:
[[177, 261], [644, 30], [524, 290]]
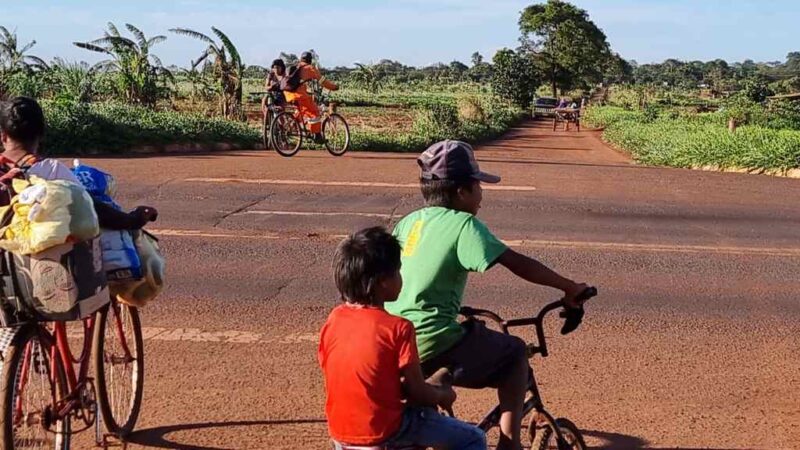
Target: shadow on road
[[616, 441], [157, 437]]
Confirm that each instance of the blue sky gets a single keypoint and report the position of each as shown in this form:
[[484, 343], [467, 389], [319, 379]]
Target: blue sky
[[417, 32]]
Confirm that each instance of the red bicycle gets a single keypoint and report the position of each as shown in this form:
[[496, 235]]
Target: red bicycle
[[48, 393]]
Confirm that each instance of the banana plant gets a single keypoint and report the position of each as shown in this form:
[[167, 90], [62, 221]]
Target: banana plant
[[141, 77], [228, 69]]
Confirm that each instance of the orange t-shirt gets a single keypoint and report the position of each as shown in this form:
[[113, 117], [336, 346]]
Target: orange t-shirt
[[362, 351]]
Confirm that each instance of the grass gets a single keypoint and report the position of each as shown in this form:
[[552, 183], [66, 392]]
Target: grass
[[697, 140]]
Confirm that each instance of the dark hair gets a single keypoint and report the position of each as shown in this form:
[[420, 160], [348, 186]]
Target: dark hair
[[22, 119], [306, 57], [443, 192], [362, 260], [278, 63]]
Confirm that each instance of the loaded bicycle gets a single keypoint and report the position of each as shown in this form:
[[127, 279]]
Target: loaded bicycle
[[287, 129], [47, 392]]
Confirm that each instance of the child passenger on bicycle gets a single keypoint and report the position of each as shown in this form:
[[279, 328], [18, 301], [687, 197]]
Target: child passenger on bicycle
[[369, 359], [442, 243]]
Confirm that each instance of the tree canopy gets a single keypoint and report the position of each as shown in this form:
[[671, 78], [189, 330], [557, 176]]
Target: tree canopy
[[570, 50]]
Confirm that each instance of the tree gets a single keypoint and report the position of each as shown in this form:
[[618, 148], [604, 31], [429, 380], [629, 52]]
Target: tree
[[476, 59], [255, 72], [617, 70], [14, 61], [515, 77], [140, 76], [570, 48], [458, 69], [289, 58], [228, 69]]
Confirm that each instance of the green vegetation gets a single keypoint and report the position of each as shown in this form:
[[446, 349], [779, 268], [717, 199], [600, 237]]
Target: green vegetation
[[696, 140], [567, 47], [681, 113], [113, 128], [139, 77], [227, 69]]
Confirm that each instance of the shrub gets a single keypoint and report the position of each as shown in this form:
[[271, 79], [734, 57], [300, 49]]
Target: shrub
[[111, 128]]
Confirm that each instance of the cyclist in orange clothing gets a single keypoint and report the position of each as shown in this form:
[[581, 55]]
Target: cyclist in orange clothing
[[306, 105]]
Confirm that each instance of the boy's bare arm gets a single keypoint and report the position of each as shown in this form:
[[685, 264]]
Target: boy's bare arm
[[421, 393], [532, 270]]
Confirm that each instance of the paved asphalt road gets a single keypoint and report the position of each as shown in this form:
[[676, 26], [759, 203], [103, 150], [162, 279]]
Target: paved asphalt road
[[694, 342]]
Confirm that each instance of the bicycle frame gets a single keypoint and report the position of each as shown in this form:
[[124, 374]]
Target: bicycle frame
[[534, 401], [57, 344]]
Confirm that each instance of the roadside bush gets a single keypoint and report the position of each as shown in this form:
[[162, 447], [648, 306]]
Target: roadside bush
[[784, 114], [436, 122], [113, 128], [471, 109]]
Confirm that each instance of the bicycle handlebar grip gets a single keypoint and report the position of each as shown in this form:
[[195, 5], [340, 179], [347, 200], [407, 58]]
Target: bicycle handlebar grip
[[573, 319], [574, 316]]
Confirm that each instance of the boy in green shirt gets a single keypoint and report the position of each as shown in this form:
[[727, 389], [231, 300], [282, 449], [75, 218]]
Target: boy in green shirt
[[442, 243]]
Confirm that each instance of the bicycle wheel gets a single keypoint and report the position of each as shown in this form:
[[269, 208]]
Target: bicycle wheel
[[27, 395], [336, 134], [544, 438], [285, 134], [119, 366]]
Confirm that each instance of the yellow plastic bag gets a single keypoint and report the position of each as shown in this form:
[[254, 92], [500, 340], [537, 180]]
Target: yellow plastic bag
[[139, 292], [47, 213]]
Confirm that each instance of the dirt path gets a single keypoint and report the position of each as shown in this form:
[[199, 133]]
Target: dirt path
[[693, 343]]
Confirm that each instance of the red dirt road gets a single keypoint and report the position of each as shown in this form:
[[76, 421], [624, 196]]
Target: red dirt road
[[693, 343]]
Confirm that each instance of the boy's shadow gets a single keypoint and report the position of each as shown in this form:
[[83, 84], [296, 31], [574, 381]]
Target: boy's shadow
[[616, 441], [158, 437]]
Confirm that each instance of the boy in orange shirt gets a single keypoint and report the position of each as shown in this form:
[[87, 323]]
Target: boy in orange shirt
[[369, 359]]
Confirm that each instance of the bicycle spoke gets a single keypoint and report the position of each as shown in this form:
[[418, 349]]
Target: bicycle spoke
[[32, 394]]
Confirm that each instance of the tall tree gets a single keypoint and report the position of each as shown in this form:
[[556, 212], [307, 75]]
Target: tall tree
[[570, 48], [140, 75], [514, 77], [228, 69]]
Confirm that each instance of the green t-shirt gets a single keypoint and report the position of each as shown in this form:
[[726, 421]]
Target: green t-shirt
[[440, 247]]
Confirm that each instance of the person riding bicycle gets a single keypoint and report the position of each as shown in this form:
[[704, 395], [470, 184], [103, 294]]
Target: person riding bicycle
[[442, 243], [273, 85], [22, 127], [369, 359], [306, 105]]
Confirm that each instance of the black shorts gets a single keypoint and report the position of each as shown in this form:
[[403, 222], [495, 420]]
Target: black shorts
[[480, 359]]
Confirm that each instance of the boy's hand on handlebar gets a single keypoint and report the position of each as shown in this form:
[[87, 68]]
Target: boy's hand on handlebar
[[572, 294]]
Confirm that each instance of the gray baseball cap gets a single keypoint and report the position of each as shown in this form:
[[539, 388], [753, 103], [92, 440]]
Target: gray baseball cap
[[452, 160]]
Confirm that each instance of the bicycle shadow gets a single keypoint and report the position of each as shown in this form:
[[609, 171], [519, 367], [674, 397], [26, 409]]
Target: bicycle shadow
[[617, 441], [157, 436]]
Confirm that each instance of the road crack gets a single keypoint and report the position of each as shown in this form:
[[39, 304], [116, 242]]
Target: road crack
[[240, 209]]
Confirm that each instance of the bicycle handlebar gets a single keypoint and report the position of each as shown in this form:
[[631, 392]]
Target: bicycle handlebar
[[572, 316]]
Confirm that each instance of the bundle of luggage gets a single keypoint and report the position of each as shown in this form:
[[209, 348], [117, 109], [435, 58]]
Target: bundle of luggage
[[58, 264]]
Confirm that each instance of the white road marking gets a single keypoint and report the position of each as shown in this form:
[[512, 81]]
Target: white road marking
[[224, 337], [488, 187], [524, 243], [314, 213]]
